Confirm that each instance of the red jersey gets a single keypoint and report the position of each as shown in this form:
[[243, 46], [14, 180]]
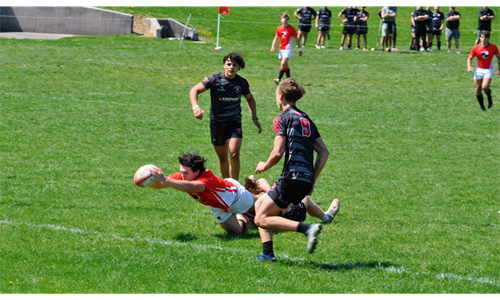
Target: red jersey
[[285, 35], [484, 55], [219, 193]]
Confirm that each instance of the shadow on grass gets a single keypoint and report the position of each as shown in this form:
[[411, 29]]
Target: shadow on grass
[[185, 237], [253, 234], [328, 266]]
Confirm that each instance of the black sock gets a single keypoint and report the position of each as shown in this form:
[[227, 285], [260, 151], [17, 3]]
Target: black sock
[[439, 45], [287, 73], [281, 74], [267, 247], [302, 227], [480, 99]]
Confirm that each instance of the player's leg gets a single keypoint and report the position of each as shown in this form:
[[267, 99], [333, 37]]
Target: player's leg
[[349, 41], [487, 90], [304, 35], [478, 83], [232, 225], [218, 135], [430, 39], [315, 210], [222, 155], [234, 145], [366, 45], [457, 44]]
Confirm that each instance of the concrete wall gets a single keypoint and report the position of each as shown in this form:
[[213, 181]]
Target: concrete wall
[[173, 28], [65, 20]]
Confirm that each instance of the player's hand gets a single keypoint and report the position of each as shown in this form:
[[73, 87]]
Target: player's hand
[[198, 113], [470, 69], [261, 167], [257, 123], [498, 72], [158, 173], [272, 49]]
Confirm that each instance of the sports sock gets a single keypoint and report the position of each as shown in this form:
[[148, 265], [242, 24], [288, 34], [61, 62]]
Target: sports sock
[[439, 45], [267, 247], [281, 74], [287, 72], [302, 227], [480, 99]]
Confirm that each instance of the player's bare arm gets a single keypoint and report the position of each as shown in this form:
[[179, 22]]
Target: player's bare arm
[[193, 96], [182, 185], [469, 64], [252, 106], [274, 157], [274, 43], [298, 45]]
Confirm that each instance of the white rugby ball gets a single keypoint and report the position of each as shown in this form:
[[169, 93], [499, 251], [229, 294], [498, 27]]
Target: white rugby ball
[[143, 177]]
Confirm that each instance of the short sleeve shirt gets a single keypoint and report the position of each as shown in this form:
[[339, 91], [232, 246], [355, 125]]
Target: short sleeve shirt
[[484, 55], [362, 15], [485, 25], [306, 15], [349, 14], [437, 19], [452, 24], [389, 10], [286, 35], [324, 15], [418, 13], [225, 94], [300, 132]]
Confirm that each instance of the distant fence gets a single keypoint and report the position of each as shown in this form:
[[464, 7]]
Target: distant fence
[[65, 20]]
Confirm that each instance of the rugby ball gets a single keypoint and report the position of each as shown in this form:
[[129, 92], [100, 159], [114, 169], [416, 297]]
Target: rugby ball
[[143, 177]]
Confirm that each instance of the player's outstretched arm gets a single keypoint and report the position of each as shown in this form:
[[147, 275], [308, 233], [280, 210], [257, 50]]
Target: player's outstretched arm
[[193, 96], [274, 157]]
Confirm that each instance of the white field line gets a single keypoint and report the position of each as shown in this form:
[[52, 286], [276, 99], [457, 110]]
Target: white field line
[[391, 269]]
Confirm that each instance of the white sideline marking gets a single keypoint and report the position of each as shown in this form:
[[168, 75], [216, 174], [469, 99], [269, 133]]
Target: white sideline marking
[[391, 269]]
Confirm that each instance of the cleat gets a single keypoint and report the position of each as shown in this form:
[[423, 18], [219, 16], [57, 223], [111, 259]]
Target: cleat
[[322, 46], [333, 210], [312, 236], [458, 52], [318, 47], [349, 48], [365, 49], [358, 48], [449, 51], [263, 257], [277, 81], [341, 48], [422, 49], [394, 49]]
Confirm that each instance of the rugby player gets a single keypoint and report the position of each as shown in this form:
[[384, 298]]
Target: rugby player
[[305, 15], [226, 89], [285, 34], [299, 173], [483, 74]]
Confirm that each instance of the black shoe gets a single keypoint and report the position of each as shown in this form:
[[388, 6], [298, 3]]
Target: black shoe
[[483, 109]]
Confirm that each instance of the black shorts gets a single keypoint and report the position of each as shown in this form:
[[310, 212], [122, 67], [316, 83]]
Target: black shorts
[[286, 191], [437, 32], [429, 31], [222, 131], [305, 27], [324, 28], [349, 29], [362, 29]]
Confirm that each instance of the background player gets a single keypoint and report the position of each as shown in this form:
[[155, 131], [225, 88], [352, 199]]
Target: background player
[[362, 27], [323, 21], [349, 14], [226, 89], [483, 73], [437, 23], [299, 173], [285, 34], [305, 15]]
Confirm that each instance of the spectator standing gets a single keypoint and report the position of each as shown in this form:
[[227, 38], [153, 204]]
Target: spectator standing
[[323, 21], [349, 14], [305, 15], [362, 27], [419, 20], [452, 30], [438, 23], [388, 15], [429, 27], [484, 23]]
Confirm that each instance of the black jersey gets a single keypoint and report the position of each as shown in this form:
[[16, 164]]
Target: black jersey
[[324, 15], [419, 25], [226, 94], [349, 14], [430, 21], [306, 15], [362, 15], [485, 25], [437, 19], [452, 24], [300, 133]]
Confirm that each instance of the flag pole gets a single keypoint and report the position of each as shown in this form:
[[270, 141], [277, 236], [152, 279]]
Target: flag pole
[[182, 36], [217, 47]]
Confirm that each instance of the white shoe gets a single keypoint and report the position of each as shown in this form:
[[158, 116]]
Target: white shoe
[[341, 48], [277, 81], [333, 210], [322, 46], [317, 47], [458, 52], [449, 51], [422, 49]]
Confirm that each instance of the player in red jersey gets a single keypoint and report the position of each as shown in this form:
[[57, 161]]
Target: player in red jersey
[[285, 34], [484, 71], [225, 197]]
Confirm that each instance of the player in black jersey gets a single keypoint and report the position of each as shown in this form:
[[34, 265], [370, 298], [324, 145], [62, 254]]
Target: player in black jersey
[[296, 138], [226, 89], [438, 23], [349, 14], [305, 15]]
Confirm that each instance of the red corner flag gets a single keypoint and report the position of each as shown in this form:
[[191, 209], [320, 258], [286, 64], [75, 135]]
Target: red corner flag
[[224, 10]]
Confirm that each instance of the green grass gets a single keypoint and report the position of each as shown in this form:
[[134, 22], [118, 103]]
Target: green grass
[[413, 160]]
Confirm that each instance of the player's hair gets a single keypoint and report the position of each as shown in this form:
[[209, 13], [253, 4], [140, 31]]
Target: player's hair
[[251, 184], [291, 90], [485, 33], [235, 58], [285, 15], [194, 161]]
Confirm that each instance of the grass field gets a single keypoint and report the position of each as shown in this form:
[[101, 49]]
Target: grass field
[[414, 162]]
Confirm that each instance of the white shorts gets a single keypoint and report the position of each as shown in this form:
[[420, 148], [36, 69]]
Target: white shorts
[[481, 73], [242, 203], [285, 54]]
